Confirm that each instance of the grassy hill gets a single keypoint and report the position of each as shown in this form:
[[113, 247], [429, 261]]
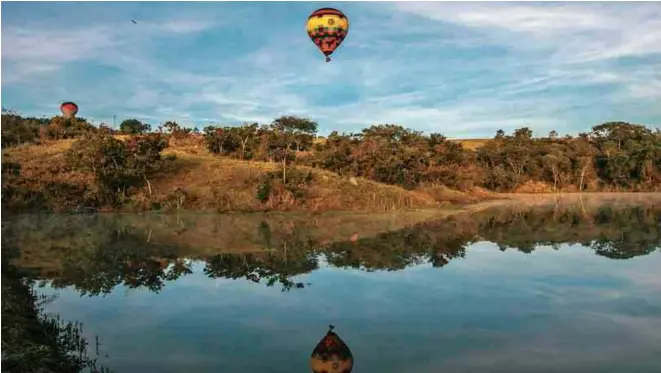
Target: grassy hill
[[197, 180]]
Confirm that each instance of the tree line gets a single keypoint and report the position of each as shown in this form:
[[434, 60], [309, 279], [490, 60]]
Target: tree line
[[613, 156]]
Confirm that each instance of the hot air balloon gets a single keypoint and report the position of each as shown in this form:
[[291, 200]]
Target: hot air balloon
[[69, 109], [331, 355], [327, 27]]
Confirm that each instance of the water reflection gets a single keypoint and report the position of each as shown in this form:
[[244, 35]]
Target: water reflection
[[331, 355], [94, 254], [410, 295]]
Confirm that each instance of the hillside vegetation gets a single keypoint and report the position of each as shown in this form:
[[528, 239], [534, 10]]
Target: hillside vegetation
[[67, 164]]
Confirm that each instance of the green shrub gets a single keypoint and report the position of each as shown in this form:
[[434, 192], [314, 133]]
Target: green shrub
[[118, 165]]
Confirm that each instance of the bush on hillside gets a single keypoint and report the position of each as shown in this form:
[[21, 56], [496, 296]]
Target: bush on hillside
[[274, 190], [118, 165], [175, 130], [17, 129], [65, 128], [134, 127]]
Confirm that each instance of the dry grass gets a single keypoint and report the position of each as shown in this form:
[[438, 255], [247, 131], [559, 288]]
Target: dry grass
[[444, 194], [230, 185], [45, 162], [470, 144], [198, 180]]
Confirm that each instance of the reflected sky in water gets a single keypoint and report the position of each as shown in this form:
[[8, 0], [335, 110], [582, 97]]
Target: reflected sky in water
[[551, 310]]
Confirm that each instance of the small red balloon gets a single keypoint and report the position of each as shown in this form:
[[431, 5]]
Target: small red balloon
[[69, 109]]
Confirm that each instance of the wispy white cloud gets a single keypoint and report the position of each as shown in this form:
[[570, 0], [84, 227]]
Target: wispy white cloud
[[594, 31], [569, 33], [34, 51], [32, 54]]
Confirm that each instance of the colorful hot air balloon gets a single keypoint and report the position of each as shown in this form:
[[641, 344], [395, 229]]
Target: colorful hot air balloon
[[69, 109], [327, 27], [331, 355]]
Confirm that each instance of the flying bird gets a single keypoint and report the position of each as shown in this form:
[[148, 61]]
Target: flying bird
[[134, 22]]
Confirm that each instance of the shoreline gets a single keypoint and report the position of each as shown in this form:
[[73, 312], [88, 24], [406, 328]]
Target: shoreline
[[190, 234], [604, 196], [493, 200]]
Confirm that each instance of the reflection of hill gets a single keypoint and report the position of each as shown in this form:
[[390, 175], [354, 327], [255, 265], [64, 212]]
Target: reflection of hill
[[611, 232], [198, 234], [97, 253]]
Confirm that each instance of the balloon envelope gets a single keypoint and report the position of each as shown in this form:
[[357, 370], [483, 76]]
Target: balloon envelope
[[69, 109], [331, 355], [327, 27]]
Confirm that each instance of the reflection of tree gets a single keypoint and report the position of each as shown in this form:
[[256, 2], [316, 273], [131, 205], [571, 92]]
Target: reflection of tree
[[622, 249], [96, 259], [271, 268], [108, 253], [123, 258], [617, 233], [400, 249], [611, 232], [638, 234], [277, 264]]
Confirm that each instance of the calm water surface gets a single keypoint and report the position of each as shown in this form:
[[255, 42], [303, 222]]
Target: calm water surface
[[557, 289]]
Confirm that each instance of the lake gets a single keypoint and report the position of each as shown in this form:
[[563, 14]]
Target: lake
[[552, 288]]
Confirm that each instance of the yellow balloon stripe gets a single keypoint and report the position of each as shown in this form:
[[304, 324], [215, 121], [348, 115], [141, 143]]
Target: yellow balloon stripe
[[330, 20]]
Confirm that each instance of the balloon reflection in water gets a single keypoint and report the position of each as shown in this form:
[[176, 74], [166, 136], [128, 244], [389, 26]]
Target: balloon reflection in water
[[331, 355]]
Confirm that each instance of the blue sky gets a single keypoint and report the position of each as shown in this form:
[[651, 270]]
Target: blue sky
[[461, 69]]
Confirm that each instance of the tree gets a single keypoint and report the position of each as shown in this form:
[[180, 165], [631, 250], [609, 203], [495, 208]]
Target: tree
[[145, 158], [134, 127], [245, 134], [18, 130], [117, 165], [280, 144], [628, 154], [175, 130], [222, 141], [301, 130]]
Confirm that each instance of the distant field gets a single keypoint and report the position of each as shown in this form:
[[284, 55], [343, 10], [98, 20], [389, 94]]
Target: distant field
[[467, 143], [470, 143]]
